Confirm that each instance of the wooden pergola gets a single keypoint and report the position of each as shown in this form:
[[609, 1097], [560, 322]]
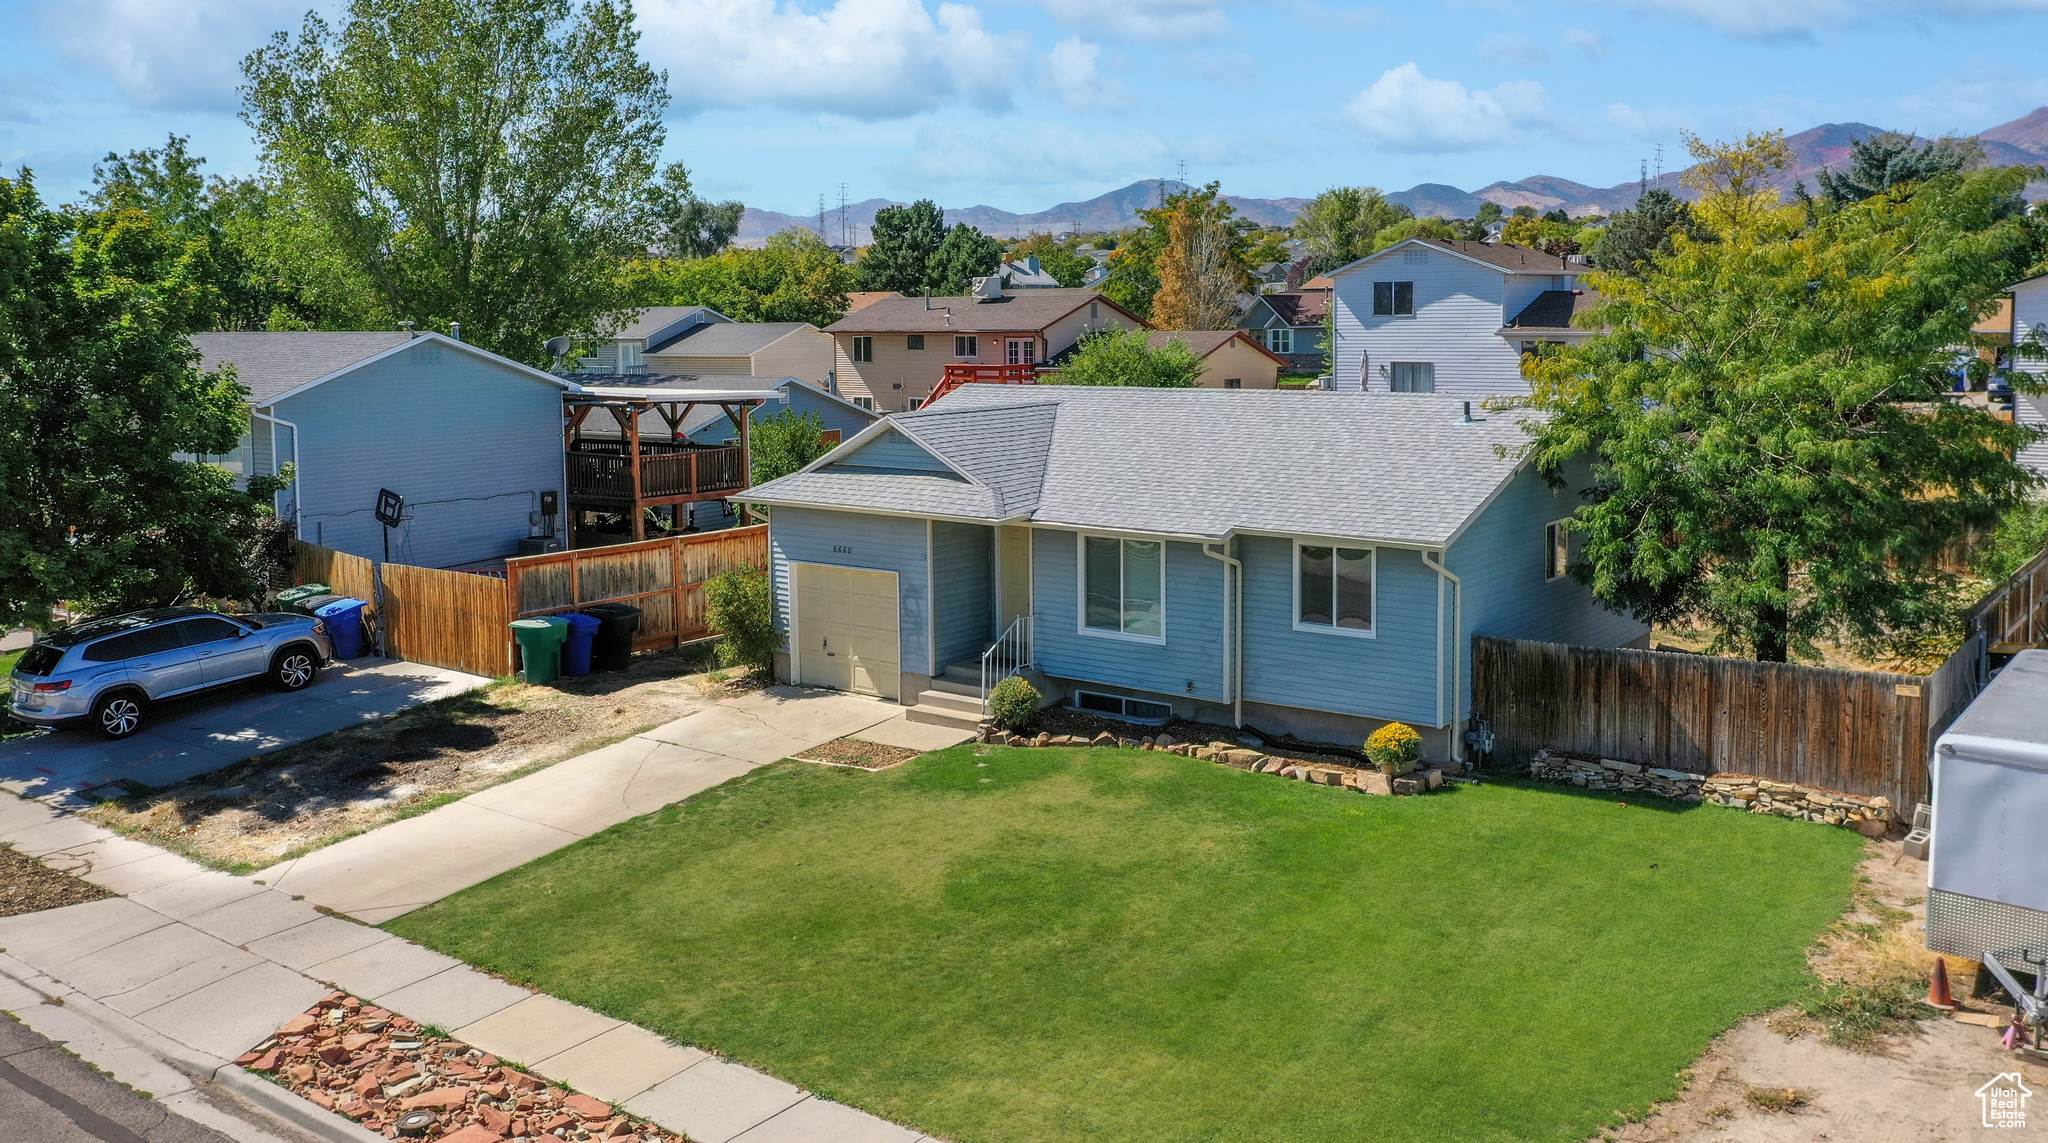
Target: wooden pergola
[[632, 472]]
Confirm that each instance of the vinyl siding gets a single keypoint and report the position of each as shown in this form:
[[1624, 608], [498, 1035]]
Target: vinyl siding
[[1236, 359], [891, 449], [702, 366], [1390, 676], [805, 354], [917, 371], [470, 444], [1188, 665], [2029, 310], [802, 399], [879, 543], [1061, 335], [1500, 560], [1458, 316], [963, 598]]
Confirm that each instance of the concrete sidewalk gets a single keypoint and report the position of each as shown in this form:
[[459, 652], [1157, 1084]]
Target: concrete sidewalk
[[399, 867], [192, 968], [205, 732]]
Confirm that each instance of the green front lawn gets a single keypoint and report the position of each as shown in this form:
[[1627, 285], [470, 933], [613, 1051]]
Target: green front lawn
[[1066, 945]]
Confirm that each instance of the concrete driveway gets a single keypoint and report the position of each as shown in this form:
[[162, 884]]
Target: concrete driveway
[[397, 868], [209, 731]]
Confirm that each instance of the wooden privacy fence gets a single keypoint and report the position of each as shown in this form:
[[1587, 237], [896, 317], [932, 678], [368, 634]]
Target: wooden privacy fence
[[663, 578], [1866, 733], [448, 619], [344, 574], [2017, 610]]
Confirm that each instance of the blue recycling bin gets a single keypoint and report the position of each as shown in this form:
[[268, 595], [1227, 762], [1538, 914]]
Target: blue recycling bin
[[344, 620], [576, 648]]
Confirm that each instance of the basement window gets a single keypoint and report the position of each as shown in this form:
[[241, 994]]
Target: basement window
[[1129, 709]]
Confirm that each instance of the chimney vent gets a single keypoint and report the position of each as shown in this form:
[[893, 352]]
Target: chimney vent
[[455, 330]]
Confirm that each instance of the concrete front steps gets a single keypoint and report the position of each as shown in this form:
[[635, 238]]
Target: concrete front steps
[[953, 700]]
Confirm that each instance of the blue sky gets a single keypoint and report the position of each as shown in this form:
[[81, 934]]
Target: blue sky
[[1021, 104]]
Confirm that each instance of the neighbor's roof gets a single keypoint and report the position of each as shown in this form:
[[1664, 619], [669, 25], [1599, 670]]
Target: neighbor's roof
[[727, 339], [1555, 309], [862, 299], [1390, 467], [1207, 341], [655, 320], [708, 389], [273, 366], [1299, 307], [1021, 312], [1504, 256]]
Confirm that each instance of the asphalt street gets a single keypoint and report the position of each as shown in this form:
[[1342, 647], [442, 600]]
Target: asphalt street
[[51, 1096]]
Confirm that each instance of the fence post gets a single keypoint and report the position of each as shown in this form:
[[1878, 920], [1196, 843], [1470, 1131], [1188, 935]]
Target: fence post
[[675, 574]]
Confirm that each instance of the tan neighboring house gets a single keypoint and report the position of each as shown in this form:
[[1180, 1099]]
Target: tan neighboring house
[[699, 341], [1231, 359], [891, 353]]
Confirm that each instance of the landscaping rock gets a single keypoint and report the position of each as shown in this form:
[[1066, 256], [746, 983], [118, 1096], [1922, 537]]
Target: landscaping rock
[[1043, 739], [1741, 791], [1407, 786], [1164, 740], [1019, 740], [1105, 738], [1433, 779], [1241, 759], [1372, 782]]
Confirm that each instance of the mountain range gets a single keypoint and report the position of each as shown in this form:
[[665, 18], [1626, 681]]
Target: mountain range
[[2024, 141]]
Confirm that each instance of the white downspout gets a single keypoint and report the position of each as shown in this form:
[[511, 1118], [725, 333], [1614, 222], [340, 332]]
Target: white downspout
[[1457, 650], [1233, 630]]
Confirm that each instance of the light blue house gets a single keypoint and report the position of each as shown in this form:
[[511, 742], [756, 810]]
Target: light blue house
[[472, 440], [1296, 562]]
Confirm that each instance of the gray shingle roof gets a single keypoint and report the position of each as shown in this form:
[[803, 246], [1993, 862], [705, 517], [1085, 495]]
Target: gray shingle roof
[[269, 364], [1023, 311], [1554, 309], [1501, 255], [655, 319], [1392, 467], [1004, 448], [726, 339]]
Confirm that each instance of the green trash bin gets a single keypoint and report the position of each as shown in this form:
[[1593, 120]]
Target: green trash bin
[[540, 646], [290, 598]]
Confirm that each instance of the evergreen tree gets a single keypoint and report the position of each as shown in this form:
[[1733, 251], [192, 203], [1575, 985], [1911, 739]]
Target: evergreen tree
[[1635, 236], [899, 257], [1889, 159], [964, 255]]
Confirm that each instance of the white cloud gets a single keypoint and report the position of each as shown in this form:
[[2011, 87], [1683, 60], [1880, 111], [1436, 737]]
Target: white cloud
[[1073, 71], [1801, 19], [1648, 124], [1591, 45], [1506, 49], [158, 54], [1236, 70], [870, 59], [1154, 21], [1059, 153], [1405, 110], [1980, 97]]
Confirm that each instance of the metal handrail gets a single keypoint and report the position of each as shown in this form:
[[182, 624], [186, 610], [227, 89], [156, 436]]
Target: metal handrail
[[1009, 654]]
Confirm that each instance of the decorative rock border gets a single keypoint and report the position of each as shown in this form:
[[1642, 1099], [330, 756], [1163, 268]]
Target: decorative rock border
[[1871, 817], [1237, 757]]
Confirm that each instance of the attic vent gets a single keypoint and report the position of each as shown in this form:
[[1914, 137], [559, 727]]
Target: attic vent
[[1415, 257]]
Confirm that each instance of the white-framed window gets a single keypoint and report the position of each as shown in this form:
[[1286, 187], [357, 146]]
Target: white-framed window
[[861, 348], [629, 357], [1393, 299], [867, 403], [1117, 706], [1333, 589], [1123, 588], [1557, 550], [1280, 340], [916, 403], [1412, 377], [966, 345], [1233, 382], [914, 341], [1021, 351]]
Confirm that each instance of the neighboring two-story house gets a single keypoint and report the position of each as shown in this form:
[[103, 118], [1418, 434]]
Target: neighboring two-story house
[[893, 352], [2029, 310], [1290, 323], [698, 341], [1447, 316]]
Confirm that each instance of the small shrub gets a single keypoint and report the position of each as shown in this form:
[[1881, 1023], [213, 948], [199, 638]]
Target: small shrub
[[740, 608], [1013, 702], [1394, 747]]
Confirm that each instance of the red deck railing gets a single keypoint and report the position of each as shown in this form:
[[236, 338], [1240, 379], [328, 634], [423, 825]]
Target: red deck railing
[[958, 375]]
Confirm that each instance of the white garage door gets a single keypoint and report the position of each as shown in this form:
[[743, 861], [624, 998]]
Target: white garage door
[[846, 630]]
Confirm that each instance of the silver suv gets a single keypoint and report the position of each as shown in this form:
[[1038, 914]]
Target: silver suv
[[106, 672]]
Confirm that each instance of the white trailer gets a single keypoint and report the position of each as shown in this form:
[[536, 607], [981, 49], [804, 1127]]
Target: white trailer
[[1987, 873]]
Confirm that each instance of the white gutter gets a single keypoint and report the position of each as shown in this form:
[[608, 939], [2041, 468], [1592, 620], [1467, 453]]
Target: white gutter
[[1457, 650], [1233, 632]]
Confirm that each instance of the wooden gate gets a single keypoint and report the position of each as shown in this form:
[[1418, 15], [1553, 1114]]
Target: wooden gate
[[663, 578], [447, 619], [344, 574]]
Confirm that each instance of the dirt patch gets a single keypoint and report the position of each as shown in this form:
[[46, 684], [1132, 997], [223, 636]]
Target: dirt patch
[[29, 886], [854, 752], [1862, 1065], [280, 805], [378, 1069]]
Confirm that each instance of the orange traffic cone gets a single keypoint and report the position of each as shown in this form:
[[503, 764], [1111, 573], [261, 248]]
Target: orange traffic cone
[[1937, 990]]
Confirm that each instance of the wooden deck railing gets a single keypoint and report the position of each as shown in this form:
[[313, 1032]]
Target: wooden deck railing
[[671, 471]]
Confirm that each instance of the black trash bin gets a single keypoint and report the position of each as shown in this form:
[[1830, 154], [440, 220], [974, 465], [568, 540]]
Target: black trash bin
[[312, 604], [617, 623]]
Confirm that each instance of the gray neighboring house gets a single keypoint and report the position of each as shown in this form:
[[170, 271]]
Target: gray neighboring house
[[469, 438], [700, 341]]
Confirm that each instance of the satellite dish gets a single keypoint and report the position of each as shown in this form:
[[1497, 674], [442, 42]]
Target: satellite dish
[[557, 346]]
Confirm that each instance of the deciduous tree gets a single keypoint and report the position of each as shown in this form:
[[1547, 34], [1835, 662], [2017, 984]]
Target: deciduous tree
[[795, 277], [1128, 357], [1201, 267]]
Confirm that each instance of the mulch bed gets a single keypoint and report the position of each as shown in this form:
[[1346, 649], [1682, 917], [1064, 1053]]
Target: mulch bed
[[1060, 720], [379, 1068], [864, 755], [29, 886]]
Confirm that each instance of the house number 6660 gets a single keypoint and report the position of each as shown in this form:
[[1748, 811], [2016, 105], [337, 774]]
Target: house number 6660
[[842, 549]]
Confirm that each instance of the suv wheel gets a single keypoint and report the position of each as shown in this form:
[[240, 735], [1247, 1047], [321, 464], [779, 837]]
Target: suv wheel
[[117, 715], [293, 668]]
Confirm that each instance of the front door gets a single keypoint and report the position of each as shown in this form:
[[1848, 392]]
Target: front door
[[1016, 573], [846, 630]]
